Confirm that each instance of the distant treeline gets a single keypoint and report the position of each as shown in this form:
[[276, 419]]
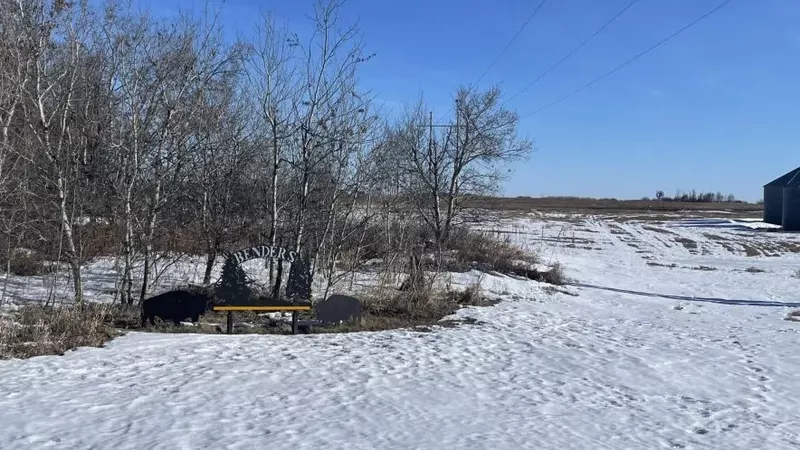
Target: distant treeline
[[680, 196], [696, 197]]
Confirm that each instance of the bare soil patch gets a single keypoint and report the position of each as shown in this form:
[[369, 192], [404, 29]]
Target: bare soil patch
[[750, 250], [658, 264], [687, 243], [593, 204], [659, 230]]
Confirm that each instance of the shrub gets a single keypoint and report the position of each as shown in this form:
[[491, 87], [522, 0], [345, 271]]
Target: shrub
[[422, 305], [98, 239], [24, 263], [553, 276], [474, 250], [426, 305], [472, 295], [478, 250], [36, 330]]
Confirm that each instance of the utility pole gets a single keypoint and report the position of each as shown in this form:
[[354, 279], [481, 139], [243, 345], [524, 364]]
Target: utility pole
[[458, 123], [430, 133], [434, 162]]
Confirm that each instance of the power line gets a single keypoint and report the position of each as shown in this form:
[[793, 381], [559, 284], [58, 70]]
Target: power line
[[615, 69], [525, 24], [573, 51]]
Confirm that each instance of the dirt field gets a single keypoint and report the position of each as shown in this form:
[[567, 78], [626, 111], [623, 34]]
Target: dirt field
[[590, 204]]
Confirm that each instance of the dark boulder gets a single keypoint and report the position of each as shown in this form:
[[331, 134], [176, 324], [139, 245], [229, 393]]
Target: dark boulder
[[176, 306], [338, 308]]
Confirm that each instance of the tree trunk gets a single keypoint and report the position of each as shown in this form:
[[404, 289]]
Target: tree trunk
[[276, 288], [126, 296], [301, 213], [150, 235], [210, 259], [72, 253], [360, 244], [273, 229]]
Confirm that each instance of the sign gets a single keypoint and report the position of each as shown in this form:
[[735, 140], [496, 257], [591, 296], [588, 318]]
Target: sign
[[234, 287], [264, 251]]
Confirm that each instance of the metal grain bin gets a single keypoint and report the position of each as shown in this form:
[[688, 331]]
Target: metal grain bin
[[773, 196], [791, 208]]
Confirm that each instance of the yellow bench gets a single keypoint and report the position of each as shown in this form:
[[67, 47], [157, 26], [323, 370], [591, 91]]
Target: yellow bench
[[276, 308]]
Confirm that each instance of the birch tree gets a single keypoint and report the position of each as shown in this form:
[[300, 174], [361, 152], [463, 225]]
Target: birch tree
[[15, 64], [222, 160], [329, 87], [274, 86], [188, 56], [55, 35]]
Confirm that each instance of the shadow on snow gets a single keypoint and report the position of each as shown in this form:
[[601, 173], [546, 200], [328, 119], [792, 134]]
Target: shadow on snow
[[723, 301]]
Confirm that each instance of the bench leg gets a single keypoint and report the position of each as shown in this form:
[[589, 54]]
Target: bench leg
[[230, 322], [294, 322]]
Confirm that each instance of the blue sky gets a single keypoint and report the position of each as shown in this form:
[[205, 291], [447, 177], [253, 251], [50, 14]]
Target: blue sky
[[715, 109]]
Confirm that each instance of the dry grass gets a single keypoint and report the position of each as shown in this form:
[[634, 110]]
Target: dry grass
[[417, 310], [555, 275], [36, 330], [482, 250], [487, 253], [423, 306]]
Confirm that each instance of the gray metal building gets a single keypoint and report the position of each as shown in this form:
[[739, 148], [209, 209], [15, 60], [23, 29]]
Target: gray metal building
[[782, 201], [791, 207]]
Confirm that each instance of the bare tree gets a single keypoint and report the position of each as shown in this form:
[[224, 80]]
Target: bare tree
[[186, 58], [188, 145], [331, 61], [55, 35], [445, 165], [274, 85], [221, 160], [129, 77], [15, 64]]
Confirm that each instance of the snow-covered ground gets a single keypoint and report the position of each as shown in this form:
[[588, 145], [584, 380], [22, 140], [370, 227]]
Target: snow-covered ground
[[672, 337]]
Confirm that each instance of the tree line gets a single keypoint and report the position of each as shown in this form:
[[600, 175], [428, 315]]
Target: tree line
[[697, 197], [149, 139]]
